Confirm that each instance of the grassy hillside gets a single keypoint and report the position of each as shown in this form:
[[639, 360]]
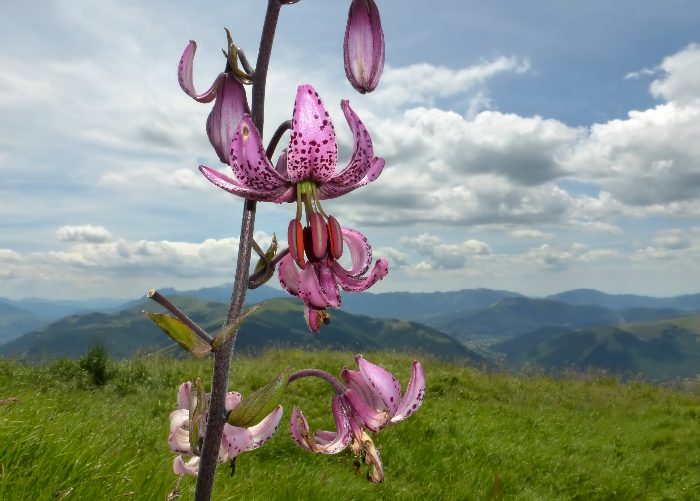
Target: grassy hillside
[[477, 436], [659, 350], [279, 323]]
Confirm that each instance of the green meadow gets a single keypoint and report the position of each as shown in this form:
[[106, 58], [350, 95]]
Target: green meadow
[[80, 430]]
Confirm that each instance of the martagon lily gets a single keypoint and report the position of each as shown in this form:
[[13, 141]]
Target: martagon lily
[[306, 173], [234, 439], [371, 401]]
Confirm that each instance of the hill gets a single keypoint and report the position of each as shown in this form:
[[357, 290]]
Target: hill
[[513, 316], [15, 321], [688, 302], [279, 323], [656, 350]]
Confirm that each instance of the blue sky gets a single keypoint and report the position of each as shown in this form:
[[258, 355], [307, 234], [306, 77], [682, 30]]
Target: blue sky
[[530, 146]]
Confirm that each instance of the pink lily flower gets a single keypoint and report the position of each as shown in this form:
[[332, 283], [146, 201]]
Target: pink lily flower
[[229, 106], [371, 401], [318, 283], [234, 439], [363, 47]]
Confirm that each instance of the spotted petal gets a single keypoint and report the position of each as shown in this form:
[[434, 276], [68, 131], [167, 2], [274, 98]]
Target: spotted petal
[[184, 76], [382, 382], [330, 190], [313, 151], [360, 252], [372, 419], [310, 289], [324, 442], [362, 153], [415, 392], [279, 195], [263, 431], [288, 275], [350, 284]]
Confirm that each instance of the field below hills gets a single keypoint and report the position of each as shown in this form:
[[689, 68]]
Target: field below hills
[[479, 435]]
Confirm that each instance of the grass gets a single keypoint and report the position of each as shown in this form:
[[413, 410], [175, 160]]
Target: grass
[[478, 436]]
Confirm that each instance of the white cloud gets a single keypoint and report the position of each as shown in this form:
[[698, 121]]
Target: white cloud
[[673, 239], [530, 233], [83, 233], [440, 254], [680, 81]]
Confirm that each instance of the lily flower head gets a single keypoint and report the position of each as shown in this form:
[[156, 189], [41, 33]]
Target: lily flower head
[[363, 47], [371, 401], [234, 439], [227, 92], [321, 276]]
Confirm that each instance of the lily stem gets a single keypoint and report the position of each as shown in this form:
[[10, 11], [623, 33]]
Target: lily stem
[[329, 378], [222, 357]]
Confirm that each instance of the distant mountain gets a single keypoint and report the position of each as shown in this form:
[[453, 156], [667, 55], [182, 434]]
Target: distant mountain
[[512, 316], [15, 321], [656, 350], [53, 309], [281, 323], [688, 302], [422, 306]]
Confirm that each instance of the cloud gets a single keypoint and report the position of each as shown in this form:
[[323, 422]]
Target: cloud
[[443, 255], [680, 81], [529, 233], [84, 233], [673, 239]]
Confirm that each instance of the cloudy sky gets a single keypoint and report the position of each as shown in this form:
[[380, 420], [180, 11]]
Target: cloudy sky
[[530, 146]]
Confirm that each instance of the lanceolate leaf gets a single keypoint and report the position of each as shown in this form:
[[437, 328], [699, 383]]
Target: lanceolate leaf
[[180, 333], [230, 330], [258, 405]]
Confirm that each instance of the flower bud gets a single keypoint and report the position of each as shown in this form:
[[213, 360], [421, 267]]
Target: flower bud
[[363, 46], [230, 106]]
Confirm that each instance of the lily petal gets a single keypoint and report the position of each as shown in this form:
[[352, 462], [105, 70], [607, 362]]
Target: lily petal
[[347, 283], [179, 436], [183, 395], [233, 398], [235, 440], [356, 382], [382, 382], [360, 252], [230, 106], [329, 285], [363, 46], [184, 76], [331, 190], [324, 442], [189, 468], [314, 317], [249, 161], [310, 289], [263, 431], [288, 275], [313, 151], [282, 194], [415, 392], [373, 419], [362, 153]]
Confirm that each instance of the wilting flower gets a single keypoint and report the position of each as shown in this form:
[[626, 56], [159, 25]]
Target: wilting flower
[[234, 439], [317, 284], [229, 106], [363, 46], [371, 401]]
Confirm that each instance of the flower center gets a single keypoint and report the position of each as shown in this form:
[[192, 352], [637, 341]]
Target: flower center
[[320, 236]]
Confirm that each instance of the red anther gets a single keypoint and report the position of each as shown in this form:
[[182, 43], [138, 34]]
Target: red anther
[[295, 239], [319, 235], [335, 237]]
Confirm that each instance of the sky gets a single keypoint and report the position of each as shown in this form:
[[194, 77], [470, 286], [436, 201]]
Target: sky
[[530, 146]]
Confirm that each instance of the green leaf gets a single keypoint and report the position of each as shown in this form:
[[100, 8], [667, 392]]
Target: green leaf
[[180, 333], [230, 330], [198, 407], [253, 409], [269, 255]]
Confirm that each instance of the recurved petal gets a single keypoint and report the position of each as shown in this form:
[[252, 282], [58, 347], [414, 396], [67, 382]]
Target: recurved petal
[[373, 419], [235, 440], [360, 253], [331, 190], [288, 274], [310, 289], [356, 382], [362, 153], [179, 436], [279, 195], [329, 285], [299, 429], [191, 467], [183, 395], [350, 284], [382, 382], [415, 392], [233, 398], [249, 162], [230, 106], [313, 151], [263, 431], [184, 76], [314, 317], [324, 442]]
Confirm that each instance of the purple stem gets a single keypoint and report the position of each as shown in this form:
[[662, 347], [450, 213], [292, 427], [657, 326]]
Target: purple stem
[[329, 378], [222, 357]]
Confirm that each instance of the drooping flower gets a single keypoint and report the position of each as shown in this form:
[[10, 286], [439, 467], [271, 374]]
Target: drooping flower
[[363, 47], [307, 167], [234, 439], [229, 106], [371, 401], [317, 284]]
